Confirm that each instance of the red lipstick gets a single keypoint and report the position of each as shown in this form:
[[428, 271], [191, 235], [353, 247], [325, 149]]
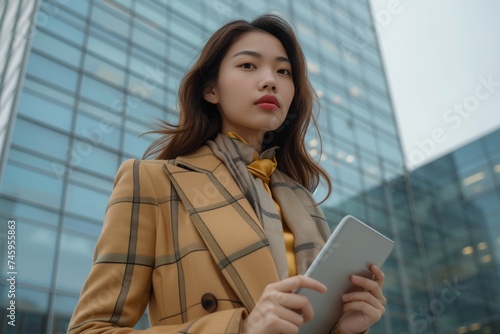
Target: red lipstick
[[268, 102]]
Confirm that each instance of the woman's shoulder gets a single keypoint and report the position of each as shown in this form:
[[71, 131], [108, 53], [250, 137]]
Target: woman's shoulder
[[201, 156], [140, 171], [131, 164]]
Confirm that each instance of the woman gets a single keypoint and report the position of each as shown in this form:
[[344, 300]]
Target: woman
[[215, 234]]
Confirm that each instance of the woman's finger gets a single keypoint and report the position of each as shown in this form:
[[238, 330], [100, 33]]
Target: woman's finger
[[289, 315], [363, 296], [296, 303], [299, 304], [379, 274], [295, 282], [370, 312], [369, 285]]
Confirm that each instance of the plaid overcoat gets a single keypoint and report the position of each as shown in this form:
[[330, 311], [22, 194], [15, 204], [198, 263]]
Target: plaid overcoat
[[180, 238]]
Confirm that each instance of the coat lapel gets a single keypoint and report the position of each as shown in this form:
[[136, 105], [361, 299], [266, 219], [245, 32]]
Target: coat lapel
[[226, 221]]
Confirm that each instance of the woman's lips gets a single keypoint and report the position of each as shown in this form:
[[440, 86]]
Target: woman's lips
[[268, 102], [267, 106]]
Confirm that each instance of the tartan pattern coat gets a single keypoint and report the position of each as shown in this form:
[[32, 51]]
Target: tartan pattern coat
[[180, 238]]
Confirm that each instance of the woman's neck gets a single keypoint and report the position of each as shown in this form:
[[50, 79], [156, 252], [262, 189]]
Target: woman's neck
[[252, 140]]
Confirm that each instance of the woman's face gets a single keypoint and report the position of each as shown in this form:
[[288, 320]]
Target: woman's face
[[255, 88]]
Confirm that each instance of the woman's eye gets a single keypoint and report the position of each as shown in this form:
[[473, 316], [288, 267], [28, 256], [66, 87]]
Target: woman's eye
[[284, 71], [247, 65]]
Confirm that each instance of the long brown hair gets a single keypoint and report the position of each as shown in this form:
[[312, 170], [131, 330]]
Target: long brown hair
[[200, 120]]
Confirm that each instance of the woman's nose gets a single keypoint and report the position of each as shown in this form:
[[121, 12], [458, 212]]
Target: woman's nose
[[269, 83]]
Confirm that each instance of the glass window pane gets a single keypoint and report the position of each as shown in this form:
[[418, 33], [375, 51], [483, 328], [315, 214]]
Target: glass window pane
[[186, 30], [149, 114], [220, 12], [254, 6], [374, 76], [492, 141], [107, 50], [103, 183], [138, 127], [476, 179], [43, 90], [58, 49], [31, 311], [32, 186], [104, 70], [44, 69], [468, 154], [35, 253], [180, 54], [391, 171], [370, 181], [145, 88], [391, 151], [191, 9], [149, 39], [72, 32], [342, 126], [111, 18], [82, 226], [79, 7], [135, 145], [152, 13], [28, 212], [495, 164], [356, 88], [359, 8], [63, 309], [75, 260], [141, 62], [100, 92], [98, 160], [98, 131], [86, 202], [47, 141], [174, 79], [360, 111], [45, 111], [333, 74], [366, 138], [379, 102], [108, 117], [385, 123]]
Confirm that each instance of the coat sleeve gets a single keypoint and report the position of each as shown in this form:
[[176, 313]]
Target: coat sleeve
[[119, 286]]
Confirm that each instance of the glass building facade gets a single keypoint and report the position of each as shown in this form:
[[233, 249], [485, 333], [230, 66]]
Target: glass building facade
[[452, 264], [457, 201], [98, 73]]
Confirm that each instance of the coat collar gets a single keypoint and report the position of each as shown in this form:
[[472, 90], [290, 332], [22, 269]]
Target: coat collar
[[219, 210]]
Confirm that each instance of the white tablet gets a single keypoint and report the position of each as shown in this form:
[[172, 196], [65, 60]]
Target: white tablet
[[351, 249]]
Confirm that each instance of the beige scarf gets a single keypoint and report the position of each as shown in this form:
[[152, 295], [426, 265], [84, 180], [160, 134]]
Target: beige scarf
[[305, 220]]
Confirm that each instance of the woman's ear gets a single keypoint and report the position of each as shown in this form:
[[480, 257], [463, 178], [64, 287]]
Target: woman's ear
[[210, 94]]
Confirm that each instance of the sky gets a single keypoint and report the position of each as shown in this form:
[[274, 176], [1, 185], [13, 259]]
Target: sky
[[442, 61]]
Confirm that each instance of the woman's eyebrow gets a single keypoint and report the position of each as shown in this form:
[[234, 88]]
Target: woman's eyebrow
[[258, 55]]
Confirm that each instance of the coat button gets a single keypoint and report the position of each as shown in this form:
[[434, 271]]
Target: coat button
[[209, 302]]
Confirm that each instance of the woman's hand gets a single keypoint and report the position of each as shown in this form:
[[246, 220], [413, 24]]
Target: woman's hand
[[279, 310], [363, 309]]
